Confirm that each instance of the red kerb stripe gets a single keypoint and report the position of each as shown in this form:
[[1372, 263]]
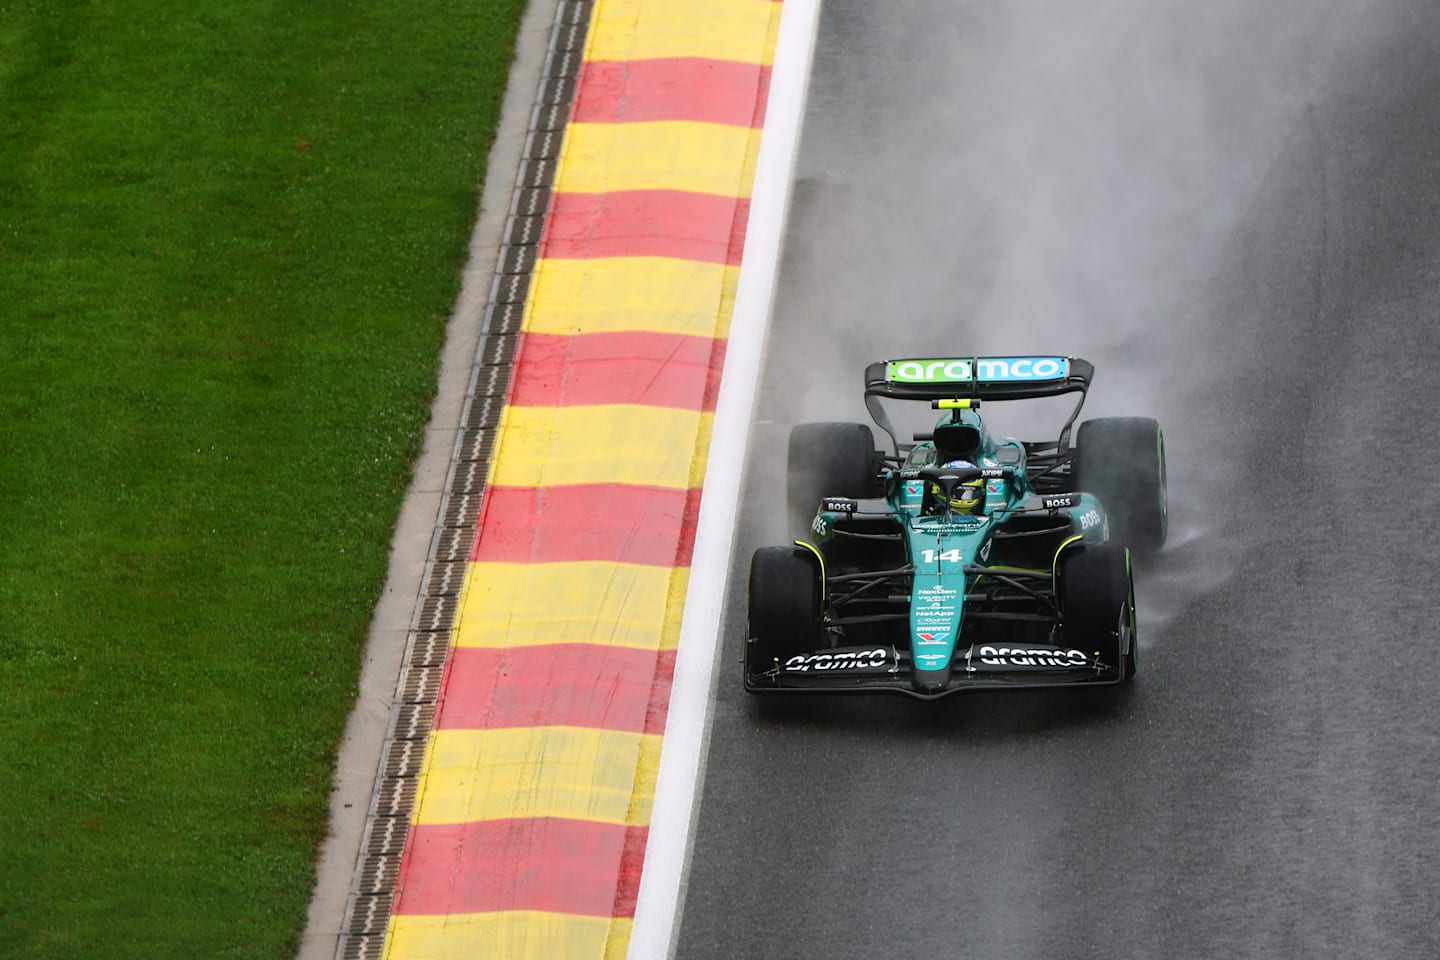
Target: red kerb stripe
[[557, 685], [679, 88], [549, 864], [600, 521], [653, 369], [646, 223]]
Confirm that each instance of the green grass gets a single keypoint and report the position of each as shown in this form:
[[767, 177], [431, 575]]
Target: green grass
[[230, 233]]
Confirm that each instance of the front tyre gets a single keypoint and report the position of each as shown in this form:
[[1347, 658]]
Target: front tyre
[[1097, 604], [784, 611], [1121, 460]]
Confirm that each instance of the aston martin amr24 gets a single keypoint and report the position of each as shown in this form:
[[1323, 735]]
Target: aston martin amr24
[[958, 560]]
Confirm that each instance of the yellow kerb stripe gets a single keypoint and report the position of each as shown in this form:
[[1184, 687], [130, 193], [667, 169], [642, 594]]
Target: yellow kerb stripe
[[623, 443], [666, 155], [573, 772], [533, 604], [647, 29], [507, 935], [616, 294]]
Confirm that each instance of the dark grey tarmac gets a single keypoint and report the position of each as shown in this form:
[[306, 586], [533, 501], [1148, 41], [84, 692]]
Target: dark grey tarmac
[[1233, 209]]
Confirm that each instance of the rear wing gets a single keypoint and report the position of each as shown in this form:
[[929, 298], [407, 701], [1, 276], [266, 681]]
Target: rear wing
[[977, 378], [980, 378]]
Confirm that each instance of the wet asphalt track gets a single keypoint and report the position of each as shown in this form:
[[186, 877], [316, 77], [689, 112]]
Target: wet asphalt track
[[1236, 215]]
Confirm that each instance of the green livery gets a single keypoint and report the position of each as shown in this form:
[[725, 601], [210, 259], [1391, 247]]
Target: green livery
[[958, 560]]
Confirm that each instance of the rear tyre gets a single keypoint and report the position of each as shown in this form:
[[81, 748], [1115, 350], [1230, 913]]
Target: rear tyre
[[829, 460], [1121, 460], [785, 596], [1097, 604]]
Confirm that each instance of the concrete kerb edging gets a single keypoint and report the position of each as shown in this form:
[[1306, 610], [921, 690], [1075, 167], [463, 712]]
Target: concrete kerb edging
[[413, 546]]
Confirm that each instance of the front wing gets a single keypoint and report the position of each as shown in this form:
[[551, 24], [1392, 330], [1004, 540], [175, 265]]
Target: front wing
[[889, 670]]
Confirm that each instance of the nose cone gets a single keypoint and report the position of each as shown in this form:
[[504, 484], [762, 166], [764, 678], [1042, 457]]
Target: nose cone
[[931, 681]]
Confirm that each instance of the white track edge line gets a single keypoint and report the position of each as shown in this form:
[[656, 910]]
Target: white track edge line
[[663, 876]]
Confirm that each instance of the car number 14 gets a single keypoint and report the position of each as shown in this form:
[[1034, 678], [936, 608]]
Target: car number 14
[[947, 556]]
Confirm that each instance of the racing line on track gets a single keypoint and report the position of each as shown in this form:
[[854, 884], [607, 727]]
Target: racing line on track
[[512, 811]]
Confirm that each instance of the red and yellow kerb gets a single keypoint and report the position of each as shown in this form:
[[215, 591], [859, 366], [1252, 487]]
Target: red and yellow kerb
[[530, 823]]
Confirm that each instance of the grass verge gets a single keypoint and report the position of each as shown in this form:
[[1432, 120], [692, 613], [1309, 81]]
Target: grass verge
[[230, 233]]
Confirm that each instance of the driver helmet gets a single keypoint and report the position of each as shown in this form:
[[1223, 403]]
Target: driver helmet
[[965, 497]]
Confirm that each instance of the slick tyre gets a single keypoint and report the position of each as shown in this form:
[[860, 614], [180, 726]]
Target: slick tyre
[[1121, 460], [784, 612], [829, 460], [1097, 604]]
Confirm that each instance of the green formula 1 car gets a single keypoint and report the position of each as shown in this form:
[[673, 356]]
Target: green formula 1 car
[[959, 562]]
